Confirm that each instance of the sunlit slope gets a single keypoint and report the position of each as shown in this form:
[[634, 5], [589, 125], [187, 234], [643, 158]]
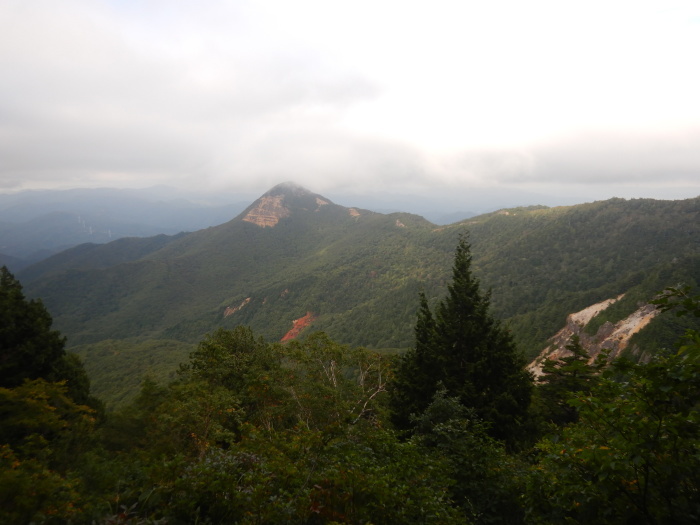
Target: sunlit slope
[[543, 264]]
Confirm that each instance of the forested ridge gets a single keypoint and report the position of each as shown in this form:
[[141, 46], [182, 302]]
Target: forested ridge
[[143, 304], [314, 431]]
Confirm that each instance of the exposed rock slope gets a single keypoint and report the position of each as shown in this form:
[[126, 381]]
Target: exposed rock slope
[[610, 337], [268, 211]]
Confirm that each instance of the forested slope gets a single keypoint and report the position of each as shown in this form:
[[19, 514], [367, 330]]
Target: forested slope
[[359, 273], [312, 431]]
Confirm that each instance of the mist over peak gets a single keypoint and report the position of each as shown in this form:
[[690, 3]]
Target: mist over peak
[[290, 187]]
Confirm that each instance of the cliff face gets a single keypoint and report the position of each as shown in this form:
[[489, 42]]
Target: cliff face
[[610, 337]]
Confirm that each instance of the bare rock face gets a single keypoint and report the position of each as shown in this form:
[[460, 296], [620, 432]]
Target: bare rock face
[[282, 201], [613, 338], [268, 212]]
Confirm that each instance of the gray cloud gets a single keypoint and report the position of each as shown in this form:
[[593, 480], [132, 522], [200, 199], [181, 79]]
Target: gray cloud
[[233, 94], [604, 158], [89, 103]]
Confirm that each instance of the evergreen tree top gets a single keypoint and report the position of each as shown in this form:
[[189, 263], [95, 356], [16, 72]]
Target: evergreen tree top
[[468, 351]]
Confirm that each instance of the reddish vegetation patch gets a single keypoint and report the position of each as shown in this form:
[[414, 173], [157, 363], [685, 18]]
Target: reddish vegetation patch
[[298, 326]]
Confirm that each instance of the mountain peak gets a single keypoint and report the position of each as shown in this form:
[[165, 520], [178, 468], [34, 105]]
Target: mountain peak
[[289, 187], [278, 202]]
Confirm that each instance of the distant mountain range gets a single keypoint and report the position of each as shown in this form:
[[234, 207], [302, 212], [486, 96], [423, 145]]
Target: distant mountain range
[[37, 224], [294, 260]]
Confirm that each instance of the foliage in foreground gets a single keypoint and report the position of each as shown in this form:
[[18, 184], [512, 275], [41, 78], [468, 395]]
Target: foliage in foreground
[[253, 432], [634, 455], [260, 433]]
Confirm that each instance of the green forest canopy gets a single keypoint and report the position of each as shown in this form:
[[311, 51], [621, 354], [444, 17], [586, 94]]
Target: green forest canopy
[[256, 432]]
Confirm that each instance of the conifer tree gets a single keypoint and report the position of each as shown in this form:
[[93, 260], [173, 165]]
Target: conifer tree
[[561, 379], [414, 383], [30, 349], [465, 349]]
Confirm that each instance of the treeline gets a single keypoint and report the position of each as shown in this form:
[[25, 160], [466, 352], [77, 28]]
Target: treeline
[[314, 431]]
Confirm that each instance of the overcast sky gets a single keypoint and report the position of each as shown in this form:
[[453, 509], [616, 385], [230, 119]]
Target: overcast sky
[[586, 98]]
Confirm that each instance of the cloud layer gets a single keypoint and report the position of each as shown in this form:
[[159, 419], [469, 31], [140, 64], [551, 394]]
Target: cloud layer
[[382, 94]]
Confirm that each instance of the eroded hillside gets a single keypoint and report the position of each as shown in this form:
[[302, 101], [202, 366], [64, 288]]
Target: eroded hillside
[[612, 338]]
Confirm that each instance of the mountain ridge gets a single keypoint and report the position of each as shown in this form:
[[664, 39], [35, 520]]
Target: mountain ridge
[[311, 223], [359, 273], [37, 224]]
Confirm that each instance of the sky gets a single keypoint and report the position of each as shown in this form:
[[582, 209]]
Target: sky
[[575, 100]]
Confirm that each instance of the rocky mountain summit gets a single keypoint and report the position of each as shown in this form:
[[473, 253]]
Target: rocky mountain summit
[[279, 202]]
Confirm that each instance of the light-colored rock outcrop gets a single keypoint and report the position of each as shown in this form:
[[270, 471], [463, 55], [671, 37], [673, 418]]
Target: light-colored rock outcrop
[[233, 309], [268, 212], [613, 338]]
